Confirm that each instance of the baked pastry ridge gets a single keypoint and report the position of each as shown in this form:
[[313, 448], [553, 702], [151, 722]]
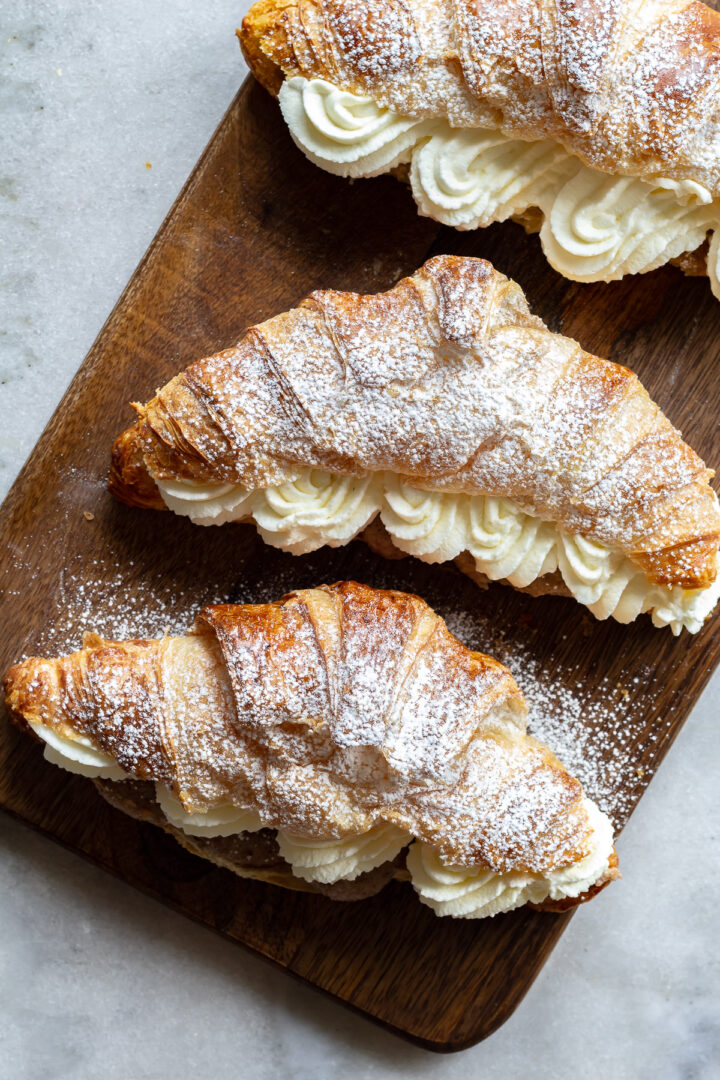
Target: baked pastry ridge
[[595, 123], [445, 409], [345, 718]]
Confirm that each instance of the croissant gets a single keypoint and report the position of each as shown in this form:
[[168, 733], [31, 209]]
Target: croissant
[[596, 122], [329, 741], [446, 408]]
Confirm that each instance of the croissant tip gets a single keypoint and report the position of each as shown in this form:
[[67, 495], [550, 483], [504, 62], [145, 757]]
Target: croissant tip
[[129, 481], [9, 682], [27, 686], [260, 26]]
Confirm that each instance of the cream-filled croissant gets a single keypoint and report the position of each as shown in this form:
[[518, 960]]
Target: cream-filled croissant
[[596, 121], [450, 418], [328, 742]]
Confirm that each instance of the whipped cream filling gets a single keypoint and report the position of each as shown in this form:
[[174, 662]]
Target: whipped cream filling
[[294, 515], [223, 820], [325, 861], [475, 893], [596, 227], [464, 893], [342, 860], [78, 755], [505, 542], [345, 133]]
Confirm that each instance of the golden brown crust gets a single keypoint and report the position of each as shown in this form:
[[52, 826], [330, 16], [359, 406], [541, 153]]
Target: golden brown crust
[[82, 695], [129, 480], [629, 87], [693, 263], [264, 20], [448, 381], [328, 712]]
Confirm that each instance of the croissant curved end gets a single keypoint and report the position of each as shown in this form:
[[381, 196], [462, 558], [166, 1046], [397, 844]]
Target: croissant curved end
[[264, 22], [693, 563], [30, 690], [129, 481]]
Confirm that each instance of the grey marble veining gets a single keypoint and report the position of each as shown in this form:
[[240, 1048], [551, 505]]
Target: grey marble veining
[[96, 980]]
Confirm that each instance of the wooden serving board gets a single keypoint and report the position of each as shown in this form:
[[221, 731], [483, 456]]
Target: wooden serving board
[[254, 230]]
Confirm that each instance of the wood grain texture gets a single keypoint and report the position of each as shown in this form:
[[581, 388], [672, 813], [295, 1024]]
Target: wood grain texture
[[255, 229]]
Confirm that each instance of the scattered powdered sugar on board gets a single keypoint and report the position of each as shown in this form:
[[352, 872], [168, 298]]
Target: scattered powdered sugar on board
[[118, 600], [103, 599], [598, 741]]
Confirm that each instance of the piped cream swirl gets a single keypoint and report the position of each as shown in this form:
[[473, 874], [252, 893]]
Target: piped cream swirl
[[475, 893], [329, 861], [77, 755], [212, 504], [347, 134], [596, 227], [505, 543], [318, 508], [225, 819], [470, 177], [599, 227]]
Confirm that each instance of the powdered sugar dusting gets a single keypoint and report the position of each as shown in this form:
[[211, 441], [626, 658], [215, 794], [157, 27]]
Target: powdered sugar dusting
[[628, 86], [598, 731], [449, 380], [418, 732]]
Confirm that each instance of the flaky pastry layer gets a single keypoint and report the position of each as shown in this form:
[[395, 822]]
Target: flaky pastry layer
[[326, 713], [627, 86], [450, 382]]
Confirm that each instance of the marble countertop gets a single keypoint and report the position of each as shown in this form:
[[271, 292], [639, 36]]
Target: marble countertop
[[98, 980]]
